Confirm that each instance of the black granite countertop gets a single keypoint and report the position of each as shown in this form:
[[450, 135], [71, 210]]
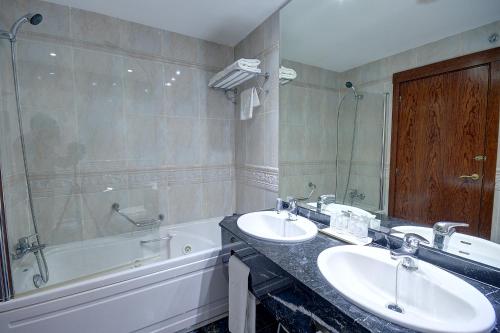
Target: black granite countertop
[[299, 261]]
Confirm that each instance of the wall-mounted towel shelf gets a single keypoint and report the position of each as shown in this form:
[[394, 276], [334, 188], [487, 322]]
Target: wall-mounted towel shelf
[[236, 74], [237, 78]]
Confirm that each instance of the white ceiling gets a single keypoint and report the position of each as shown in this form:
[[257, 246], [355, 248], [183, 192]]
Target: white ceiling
[[222, 21], [343, 34]]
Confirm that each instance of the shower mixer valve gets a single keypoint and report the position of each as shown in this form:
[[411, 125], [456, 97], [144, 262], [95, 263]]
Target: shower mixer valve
[[24, 247]]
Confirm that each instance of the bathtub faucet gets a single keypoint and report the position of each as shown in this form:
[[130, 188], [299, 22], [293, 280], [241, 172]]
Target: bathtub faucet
[[24, 247]]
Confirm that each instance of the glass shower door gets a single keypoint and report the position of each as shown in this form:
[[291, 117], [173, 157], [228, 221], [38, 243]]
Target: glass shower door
[[76, 107], [360, 150]]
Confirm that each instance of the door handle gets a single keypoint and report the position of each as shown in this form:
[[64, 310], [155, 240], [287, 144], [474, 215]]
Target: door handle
[[474, 176]]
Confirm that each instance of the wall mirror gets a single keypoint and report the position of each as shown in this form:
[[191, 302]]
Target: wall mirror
[[396, 115]]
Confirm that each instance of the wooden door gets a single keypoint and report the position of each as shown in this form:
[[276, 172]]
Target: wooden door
[[441, 131], [442, 138]]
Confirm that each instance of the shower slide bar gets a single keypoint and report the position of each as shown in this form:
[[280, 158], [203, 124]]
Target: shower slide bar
[[140, 223]]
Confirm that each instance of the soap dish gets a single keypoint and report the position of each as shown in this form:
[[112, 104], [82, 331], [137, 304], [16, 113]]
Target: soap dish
[[348, 238]]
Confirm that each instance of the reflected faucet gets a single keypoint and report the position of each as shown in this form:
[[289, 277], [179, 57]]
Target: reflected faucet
[[324, 199], [442, 233]]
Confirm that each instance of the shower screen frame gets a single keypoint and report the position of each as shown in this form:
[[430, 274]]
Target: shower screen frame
[[6, 288]]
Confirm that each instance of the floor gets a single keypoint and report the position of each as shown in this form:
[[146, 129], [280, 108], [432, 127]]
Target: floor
[[265, 324]]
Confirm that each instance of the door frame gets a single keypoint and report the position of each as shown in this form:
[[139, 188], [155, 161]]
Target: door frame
[[491, 58]]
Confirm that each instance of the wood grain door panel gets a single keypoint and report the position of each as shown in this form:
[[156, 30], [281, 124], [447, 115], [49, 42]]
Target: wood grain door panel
[[441, 128]]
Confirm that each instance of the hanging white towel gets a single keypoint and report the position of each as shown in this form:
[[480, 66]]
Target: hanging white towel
[[241, 301], [249, 100]]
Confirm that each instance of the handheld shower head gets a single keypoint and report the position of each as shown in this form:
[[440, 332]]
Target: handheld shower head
[[34, 19], [349, 85]]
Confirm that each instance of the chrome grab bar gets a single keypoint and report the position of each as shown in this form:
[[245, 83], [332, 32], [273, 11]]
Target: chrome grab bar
[[138, 224], [159, 239]]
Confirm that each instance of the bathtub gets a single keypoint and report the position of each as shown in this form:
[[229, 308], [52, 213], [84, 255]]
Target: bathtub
[[120, 284]]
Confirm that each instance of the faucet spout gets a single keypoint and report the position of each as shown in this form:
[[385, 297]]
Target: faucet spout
[[408, 251]]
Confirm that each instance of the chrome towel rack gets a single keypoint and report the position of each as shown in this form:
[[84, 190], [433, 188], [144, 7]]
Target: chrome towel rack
[[141, 223]]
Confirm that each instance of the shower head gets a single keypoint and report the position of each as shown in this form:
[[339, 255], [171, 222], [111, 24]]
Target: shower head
[[36, 19], [349, 85], [33, 19]]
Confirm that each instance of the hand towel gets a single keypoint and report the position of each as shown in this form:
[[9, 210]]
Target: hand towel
[[249, 100], [241, 301]]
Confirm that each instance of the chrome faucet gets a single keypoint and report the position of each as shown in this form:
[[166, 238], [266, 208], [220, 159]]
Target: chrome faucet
[[408, 250], [324, 199], [442, 233], [24, 247], [290, 206], [292, 209], [279, 205]]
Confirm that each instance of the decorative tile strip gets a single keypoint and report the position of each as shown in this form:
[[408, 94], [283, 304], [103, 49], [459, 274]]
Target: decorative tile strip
[[92, 182], [259, 176]]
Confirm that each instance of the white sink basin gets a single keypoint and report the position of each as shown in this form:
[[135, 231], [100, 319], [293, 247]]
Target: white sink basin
[[335, 209], [432, 299], [462, 245], [276, 227]]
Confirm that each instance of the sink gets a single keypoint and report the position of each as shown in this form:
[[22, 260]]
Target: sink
[[461, 245], [334, 209], [276, 227], [432, 299]]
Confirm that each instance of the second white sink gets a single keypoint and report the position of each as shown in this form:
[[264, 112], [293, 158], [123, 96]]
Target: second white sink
[[462, 245], [432, 300], [276, 227]]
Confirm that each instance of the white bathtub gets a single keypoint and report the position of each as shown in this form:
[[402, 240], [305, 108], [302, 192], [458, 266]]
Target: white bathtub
[[153, 287]]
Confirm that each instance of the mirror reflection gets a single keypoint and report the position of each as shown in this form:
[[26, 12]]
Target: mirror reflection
[[394, 117]]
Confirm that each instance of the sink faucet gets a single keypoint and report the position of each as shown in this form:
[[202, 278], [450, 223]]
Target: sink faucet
[[290, 206], [442, 233], [409, 250], [292, 209], [324, 199]]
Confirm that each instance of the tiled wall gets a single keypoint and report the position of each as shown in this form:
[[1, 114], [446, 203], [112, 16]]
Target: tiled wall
[[308, 137], [122, 113], [312, 94], [376, 77], [308, 118], [257, 138]]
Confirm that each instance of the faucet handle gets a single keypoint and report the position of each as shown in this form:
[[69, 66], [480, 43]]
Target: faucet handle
[[412, 240], [447, 228]]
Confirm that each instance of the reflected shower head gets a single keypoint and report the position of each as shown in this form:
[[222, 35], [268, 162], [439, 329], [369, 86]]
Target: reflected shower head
[[349, 85], [33, 19]]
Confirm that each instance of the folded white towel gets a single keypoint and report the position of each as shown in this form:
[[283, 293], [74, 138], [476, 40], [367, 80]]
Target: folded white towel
[[249, 100], [287, 73], [241, 301], [233, 72]]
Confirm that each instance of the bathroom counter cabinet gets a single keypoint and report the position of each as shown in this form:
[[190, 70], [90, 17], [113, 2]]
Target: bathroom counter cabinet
[[287, 281]]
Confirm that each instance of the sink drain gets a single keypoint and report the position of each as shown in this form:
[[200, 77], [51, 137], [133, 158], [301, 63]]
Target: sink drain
[[395, 308]]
